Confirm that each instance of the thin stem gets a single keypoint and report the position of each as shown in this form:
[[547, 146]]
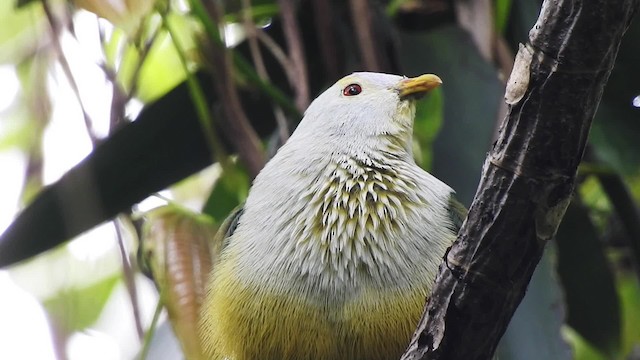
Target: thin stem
[[276, 51], [362, 21], [240, 63], [298, 80], [256, 55], [144, 353], [199, 100], [326, 37], [67, 69], [129, 280], [235, 124]]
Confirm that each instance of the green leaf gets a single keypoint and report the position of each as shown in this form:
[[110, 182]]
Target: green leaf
[[615, 129], [502, 10], [473, 93], [629, 292], [595, 199], [259, 13], [582, 349], [228, 192], [535, 329], [75, 309], [162, 69], [22, 30], [427, 124], [593, 308]]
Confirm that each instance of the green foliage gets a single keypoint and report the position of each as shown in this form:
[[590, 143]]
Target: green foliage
[[614, 134], [76, 308], [428, 121], [535, 329], [590, 293], [502, 10], [163, 58], [21, 31], [629, 293], [582, 349], [229, 191]]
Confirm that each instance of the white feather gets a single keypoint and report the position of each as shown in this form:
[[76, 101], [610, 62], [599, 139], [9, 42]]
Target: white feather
[[342, 206]]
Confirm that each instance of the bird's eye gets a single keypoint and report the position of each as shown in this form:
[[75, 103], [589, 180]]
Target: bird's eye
[[352, 90]]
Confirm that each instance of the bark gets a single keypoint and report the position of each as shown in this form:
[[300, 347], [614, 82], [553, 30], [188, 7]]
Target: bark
[[528, 177]]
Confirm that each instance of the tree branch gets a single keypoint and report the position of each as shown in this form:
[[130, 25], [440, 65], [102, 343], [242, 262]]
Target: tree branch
[[363, 24], [326, 37], [528, 177], [258, 62], [296, 53], [235, 123]]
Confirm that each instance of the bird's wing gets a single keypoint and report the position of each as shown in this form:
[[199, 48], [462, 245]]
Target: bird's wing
[[457, 213], [228, 227]]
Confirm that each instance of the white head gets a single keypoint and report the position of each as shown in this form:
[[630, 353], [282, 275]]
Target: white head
[[365, 105]]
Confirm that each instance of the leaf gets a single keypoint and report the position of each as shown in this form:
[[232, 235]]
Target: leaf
[[126, 15], [593, 308], [75, 309], [629, 292], [502, 10], [162, 146], [535, 329], [425, 129], [228, 192], [162, 69], [582, 349], [23, 30], [472, 92], [614, 134], [176, 248]]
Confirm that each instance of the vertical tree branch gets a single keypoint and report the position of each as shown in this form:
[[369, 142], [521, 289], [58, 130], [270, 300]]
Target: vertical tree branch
[[235, 123], [363, 23], [326, 38], [129, 278], [528, 177], [299, 82], [261, 69], [629, 214], [66, 68]]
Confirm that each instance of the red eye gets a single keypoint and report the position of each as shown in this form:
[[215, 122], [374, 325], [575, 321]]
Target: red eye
[[352, 90]]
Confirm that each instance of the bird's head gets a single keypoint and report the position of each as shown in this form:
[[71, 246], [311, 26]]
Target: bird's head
[[364, 106]]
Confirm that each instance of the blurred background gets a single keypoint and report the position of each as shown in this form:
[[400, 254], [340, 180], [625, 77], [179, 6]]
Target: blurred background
[[112, 108]]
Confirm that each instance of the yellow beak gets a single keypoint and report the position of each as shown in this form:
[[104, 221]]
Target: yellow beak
[[418, 86]]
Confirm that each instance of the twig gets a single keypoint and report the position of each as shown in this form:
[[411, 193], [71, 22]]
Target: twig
[[250, 28], [362, 21], [144, 52], [202, 107], [148, 336], [326, 37], [528, 177], [476, 17], [129, 280], [235, 123], [299, 82], [67, 70], [276, 51], [627, 211]]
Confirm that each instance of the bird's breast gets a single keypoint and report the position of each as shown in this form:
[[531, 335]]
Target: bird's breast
[[354, 222], [337, 267]]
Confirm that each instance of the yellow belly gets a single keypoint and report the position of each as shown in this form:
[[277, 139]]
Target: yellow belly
[[241, 323]]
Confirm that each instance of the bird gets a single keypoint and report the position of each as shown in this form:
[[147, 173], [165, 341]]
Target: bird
[[338, 243]]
